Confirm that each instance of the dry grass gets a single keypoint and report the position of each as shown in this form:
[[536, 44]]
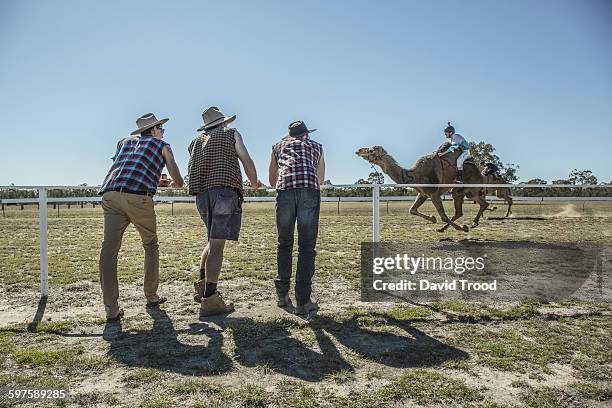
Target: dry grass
[[351, 354]]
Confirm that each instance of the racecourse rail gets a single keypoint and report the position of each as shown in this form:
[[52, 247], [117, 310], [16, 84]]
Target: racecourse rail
[[43, 200]]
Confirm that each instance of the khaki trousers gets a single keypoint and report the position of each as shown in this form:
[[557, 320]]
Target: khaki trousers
[[121, 209]]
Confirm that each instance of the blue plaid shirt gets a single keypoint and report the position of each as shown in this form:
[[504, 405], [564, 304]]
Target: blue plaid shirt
[[137, 165]]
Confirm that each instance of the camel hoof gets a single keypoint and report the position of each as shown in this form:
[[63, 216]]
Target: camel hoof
[[433, 219], [465, 228], [474, 225], [441, 229]]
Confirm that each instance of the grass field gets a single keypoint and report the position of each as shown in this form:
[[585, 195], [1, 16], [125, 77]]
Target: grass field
[[351, 354]]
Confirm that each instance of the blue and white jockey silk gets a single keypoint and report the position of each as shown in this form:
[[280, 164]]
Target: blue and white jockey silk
[[459, 142]]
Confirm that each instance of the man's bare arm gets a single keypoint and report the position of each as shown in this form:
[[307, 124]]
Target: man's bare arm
[[273, 171], [321, 170], [175, 173], [247, 162]]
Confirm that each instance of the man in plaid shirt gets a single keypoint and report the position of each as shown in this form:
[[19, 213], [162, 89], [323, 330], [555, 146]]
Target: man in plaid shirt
[[127, 198], [296, 169]]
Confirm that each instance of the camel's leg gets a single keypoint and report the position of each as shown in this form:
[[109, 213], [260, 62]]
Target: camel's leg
[[458, 198], [491, 208], [437, 202], [414, 210], [509, 201], [483, 206]]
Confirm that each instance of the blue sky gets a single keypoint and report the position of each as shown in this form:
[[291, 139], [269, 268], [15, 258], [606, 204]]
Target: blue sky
[[532, 78]]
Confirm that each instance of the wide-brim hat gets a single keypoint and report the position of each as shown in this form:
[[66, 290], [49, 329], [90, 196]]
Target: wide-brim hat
[[299, 128], [147, 121], [214, 117]]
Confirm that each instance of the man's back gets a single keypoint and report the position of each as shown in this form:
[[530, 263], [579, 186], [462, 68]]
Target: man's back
[[297, 160], [213, 161], [137, 165]]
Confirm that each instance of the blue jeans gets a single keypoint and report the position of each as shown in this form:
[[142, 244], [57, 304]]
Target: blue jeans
[[301, 205]]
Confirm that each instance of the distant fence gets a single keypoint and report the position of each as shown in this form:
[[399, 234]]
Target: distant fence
[[43, 200]]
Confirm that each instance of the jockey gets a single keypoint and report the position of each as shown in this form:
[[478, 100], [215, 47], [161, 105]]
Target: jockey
[[489, 168], [457, 142]]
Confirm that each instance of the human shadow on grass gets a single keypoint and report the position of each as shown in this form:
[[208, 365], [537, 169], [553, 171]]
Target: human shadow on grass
[[277, 345], [306, 350], [309, 350], [413, 348], [161, 349]]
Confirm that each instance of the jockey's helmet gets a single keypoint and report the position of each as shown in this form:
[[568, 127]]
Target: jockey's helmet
[[449, 128]]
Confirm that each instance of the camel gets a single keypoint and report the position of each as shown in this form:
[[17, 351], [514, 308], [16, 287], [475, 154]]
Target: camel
[[431, 169], [502, 192]]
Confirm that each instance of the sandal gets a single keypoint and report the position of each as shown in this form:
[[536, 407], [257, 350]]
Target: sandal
[[116, 318], [158, 302]]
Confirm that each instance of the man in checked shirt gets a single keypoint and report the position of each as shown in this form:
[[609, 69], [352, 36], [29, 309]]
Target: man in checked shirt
[[297, 169]]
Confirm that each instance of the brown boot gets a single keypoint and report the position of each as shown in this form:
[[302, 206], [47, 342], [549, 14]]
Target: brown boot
[[215, 304], [199, 287]]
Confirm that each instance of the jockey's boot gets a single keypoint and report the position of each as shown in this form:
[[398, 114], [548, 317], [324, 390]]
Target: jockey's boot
[[459, 178]]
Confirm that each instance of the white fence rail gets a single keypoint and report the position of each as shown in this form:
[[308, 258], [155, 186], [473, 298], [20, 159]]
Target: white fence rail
[[43, 201], [191, 199]]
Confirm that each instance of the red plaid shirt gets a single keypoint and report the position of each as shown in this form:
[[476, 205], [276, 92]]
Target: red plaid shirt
[[297, 160]]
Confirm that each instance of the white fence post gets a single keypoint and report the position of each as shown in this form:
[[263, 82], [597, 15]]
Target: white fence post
[[376, 213], [42, 223]]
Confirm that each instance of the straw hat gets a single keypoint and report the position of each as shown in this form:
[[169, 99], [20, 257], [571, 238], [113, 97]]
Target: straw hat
[[213, 117], [147, 121]]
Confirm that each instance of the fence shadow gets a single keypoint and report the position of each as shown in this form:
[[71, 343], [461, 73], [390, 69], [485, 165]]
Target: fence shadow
[[40, 312]]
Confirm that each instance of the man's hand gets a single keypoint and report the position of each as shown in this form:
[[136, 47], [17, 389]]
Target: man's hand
[[257, 185], [177, 179], [164, 183]]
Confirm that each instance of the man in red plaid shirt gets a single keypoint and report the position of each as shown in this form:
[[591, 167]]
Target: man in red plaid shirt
[[297, 169]]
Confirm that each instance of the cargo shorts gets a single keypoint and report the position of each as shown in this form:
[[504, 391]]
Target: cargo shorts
[[221, 210]]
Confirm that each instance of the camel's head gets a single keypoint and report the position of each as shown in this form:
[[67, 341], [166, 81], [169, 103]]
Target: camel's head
[[372, 154]]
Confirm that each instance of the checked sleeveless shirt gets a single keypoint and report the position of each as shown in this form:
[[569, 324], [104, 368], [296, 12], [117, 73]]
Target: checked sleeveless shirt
[[297, 160], [137, 165], [213, 161]]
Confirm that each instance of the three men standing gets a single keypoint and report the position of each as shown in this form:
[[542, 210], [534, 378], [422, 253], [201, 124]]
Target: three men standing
[[297, 168], [127, 197]]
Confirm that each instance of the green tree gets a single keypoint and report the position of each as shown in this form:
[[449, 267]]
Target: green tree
[[482, 151], [562, 191], [376, 177], [582, 177], [534, 192]]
